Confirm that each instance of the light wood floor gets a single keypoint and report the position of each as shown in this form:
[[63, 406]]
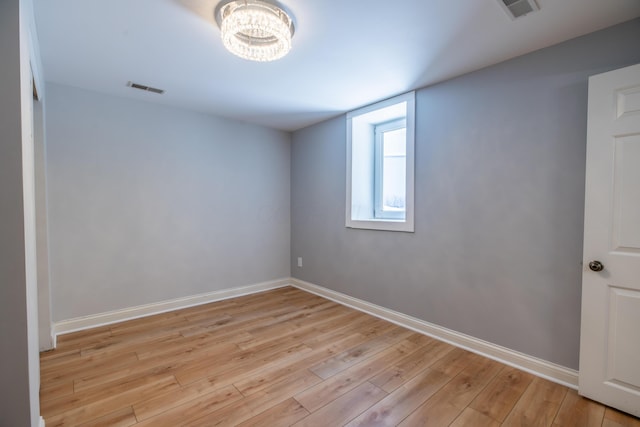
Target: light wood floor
[[287, 357]]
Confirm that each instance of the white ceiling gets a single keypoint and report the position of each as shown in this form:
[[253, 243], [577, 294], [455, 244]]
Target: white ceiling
[[346, 53]]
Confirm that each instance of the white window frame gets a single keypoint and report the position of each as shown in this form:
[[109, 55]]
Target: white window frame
[[361, 145], [378, 168]]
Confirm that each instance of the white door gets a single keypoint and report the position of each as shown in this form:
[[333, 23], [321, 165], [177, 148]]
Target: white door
[[610, 334]]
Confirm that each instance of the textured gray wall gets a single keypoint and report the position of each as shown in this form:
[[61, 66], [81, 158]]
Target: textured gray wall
[[19, 377], [14, 374], [149, 203], [497, 248]]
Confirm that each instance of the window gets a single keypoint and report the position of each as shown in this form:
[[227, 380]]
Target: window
[[390, 170], [380, 147]]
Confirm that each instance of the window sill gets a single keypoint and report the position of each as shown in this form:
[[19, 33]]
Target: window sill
[[381, 224]]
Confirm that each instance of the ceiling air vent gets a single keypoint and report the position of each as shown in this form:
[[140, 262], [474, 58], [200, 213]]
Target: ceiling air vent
[[145, 88], [517, 8]]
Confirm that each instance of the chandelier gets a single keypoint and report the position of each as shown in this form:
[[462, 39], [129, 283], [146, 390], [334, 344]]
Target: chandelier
[[256, 30]]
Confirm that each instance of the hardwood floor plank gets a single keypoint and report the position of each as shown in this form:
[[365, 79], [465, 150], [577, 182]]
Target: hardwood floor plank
[[284, 414], [80, 361], [349, 325], [205, 368], [148, 367], [354, 355], [68, 414], [160, 403], [256, 380], [82, 338], [198, 407], [93, 365], [297, 332], [615, 418], [310, 311], [120, 418], [393, 377], [237, 323], [210, 308], [538, 405], [159, 322], [376, 327], [576, 411], [190, 344], [122, 343], [55, 390], [246, 315], [345, 408], [53, 358], [472, 418], [347, 322], [79, 399], [237, 373], [248, 407], [402, 401], [421, 340], [355, 321], [326, 391], [454, 362], [451, 400], [502, 393], [607, 422], [264, 334]]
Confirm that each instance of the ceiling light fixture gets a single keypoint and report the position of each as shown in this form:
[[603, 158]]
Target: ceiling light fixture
[[256, 30]]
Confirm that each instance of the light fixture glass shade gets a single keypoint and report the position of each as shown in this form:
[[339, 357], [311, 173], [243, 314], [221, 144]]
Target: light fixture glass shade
[[254, 29]]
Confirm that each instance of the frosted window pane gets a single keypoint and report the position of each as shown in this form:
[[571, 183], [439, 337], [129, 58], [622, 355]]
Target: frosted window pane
[[394, 167]]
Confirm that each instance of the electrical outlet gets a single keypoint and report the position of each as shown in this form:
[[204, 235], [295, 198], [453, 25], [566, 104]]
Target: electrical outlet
[[299, 261]]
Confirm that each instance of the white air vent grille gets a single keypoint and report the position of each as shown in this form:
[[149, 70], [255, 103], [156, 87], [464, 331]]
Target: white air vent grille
[[145, 88], [517, 8]]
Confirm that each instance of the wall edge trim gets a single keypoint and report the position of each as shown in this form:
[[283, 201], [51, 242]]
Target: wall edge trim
[[539, 367], [115, 316]]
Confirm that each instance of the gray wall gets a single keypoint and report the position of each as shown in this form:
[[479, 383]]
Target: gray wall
[[149, 203], [19, 369], [14, 374], [497, 248]]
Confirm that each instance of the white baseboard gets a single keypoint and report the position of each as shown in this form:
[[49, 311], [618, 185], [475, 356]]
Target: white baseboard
[[533, 365], [41, 422], [542, 368], [101, 319]]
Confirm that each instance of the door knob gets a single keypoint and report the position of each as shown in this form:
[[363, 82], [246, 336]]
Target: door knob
[[596, 266]]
